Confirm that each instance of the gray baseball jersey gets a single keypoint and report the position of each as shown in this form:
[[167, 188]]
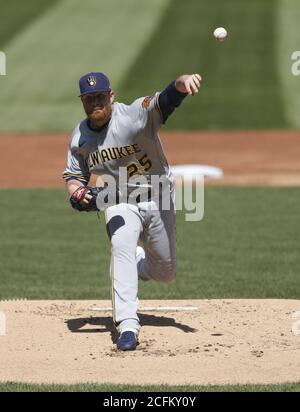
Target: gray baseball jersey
[[129, 140]]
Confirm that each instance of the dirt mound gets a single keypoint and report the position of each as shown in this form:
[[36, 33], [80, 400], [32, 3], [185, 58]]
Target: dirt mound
[[219, 342]]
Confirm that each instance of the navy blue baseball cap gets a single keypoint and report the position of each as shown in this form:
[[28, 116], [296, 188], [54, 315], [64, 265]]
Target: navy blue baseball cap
[[94, 82]]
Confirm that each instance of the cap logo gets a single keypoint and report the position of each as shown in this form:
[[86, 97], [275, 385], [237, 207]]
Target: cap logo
[[92, 80]]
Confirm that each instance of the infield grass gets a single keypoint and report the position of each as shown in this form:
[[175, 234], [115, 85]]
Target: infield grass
[[247, 246], [21, 387], [47, 57]]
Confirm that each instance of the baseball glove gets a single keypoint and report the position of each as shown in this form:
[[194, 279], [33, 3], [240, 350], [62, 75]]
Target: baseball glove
[[102, 197]]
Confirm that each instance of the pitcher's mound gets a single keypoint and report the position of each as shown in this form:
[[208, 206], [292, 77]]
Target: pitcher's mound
[[181, 342]]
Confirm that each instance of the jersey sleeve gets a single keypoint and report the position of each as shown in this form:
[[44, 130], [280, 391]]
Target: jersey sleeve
[[76, 166], [161, 105], [149, 110]]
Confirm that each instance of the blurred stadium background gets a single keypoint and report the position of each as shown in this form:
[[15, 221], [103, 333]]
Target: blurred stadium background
[[143, 45]]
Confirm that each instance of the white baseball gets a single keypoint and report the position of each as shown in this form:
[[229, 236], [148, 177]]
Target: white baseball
[[220, 33]]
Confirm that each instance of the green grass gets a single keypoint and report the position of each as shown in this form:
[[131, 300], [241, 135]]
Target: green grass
[[148, 45], [240, 78], [21, 387], [247, 246], [47, 57], [49, 250], [17, 14], [288, 41]]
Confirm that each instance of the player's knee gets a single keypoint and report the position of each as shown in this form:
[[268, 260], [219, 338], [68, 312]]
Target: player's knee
[[121, 245], [168, 271]]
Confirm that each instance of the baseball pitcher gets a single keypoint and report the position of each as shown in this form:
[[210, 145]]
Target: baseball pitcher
[[121, 144]]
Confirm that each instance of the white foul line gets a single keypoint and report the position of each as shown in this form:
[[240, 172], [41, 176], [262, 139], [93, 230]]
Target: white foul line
[[156, 309]]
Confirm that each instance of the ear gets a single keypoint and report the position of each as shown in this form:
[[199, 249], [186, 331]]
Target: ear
[[112, 97], [82, 101]]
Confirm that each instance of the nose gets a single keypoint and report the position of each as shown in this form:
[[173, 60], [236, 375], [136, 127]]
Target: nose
[[98, 100]]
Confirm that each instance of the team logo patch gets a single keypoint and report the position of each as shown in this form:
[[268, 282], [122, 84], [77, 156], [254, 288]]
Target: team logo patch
[[91, 80], [147, 101]]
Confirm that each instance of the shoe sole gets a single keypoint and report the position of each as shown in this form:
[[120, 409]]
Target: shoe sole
[[128, 348]]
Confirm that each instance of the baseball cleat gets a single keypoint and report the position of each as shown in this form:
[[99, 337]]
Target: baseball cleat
[[127, 341]]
